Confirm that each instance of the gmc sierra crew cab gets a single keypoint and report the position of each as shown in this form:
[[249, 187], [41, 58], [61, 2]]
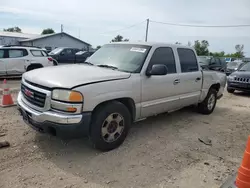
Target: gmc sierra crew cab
[[119, 84]]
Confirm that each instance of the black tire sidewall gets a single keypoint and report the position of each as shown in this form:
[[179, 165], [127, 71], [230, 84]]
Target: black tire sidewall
[[230, 90], [98, 118], [203, 107]]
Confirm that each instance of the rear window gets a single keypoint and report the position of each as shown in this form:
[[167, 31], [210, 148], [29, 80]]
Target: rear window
[[37, 53], [188, 60], [15, 53]]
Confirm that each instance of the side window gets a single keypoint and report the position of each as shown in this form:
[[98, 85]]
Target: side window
[[164, 55], [68, 52], [14, 53], [188, 60], [1, 53], [37, 53]]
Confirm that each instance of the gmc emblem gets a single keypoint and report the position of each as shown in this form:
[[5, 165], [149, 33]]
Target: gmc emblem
[[28, 93]]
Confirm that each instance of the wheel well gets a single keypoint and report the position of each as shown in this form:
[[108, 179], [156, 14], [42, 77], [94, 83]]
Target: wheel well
[[36, 65], [216, 87], [128, 102]]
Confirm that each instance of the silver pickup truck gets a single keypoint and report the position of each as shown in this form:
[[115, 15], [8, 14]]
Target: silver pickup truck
[[119, 84]]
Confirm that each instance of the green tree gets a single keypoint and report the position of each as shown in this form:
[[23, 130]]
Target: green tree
[[13, 29], [48, 31], [98, 47], [217, 54], [119, 38], [201, 47], [239, 50], [178, 43]]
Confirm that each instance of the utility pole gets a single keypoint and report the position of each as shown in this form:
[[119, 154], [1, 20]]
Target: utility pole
[[146, 38], [61, 28]]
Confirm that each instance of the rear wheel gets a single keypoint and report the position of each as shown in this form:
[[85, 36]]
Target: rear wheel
[[32, 67], [209, 103], [110, 125], [230, 90]]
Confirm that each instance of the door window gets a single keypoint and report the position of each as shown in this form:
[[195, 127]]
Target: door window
[[165, 56], [1, 53], [14, 53], [188, 60], [37, 53], [68, 52]]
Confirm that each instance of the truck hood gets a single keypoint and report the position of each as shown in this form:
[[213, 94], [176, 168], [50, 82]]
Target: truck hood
[[69, 76]]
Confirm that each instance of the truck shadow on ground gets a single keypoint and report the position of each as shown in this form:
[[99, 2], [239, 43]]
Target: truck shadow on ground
[[242, 94], [152, 144]]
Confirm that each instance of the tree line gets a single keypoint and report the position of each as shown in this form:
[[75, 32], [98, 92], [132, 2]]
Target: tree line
[[201, 47], [19, 30]]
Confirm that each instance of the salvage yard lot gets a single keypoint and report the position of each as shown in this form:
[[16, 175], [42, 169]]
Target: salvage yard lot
[[162, 151]]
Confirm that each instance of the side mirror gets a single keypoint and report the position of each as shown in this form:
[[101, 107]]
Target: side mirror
[[62, 53], [157, 70]]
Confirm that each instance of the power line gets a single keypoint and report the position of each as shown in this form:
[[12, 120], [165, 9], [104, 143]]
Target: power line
[[189, 25], [125, 27]]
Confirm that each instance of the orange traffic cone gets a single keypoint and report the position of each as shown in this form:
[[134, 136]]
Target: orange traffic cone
[[243, 178], [7, 99]]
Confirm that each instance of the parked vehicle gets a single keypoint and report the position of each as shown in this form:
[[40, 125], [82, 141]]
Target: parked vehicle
[[64, 55], [229, 59], [240, 79], [119, 84], [81, 56], [212, 63], [15, 60], [234, 66]]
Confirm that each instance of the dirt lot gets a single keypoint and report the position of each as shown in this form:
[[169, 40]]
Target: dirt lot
[[162, 151]]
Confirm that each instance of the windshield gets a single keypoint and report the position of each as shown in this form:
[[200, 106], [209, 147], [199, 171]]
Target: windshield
[[233, 64], [245, 67], [55, 51], [203, 60], [124, 57]]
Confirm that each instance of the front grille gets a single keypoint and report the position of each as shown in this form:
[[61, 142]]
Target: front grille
[[34, 97], [242, 80]]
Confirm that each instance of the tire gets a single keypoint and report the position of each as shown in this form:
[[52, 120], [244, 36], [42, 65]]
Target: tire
[[230, 90], [205, 107], [106, 123], [30, 68]]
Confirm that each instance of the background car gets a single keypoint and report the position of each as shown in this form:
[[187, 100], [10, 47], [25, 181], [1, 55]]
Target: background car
[[234, 66], [212, 63], [81, 56], [64, 55], [15, 60]]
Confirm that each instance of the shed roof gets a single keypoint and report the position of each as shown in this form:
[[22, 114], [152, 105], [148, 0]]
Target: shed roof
[[18, 35], [50, 35]]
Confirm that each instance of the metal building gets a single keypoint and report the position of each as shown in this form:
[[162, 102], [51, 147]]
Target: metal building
[[50, 41]]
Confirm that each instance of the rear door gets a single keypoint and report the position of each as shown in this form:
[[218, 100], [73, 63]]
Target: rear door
[[190, 83], [67, 56], [2, 62], [215, 64], [16, 61]]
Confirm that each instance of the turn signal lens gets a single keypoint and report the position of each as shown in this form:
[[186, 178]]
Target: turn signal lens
[[75, 97], [71, 109]]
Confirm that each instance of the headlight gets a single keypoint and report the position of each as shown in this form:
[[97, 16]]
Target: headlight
[[230, 78], [67, 95], [67, 101]]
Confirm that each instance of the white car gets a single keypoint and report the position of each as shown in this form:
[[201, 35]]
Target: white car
[[119, 84], [15, 60]]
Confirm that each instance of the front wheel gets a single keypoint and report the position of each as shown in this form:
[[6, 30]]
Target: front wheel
[[230, 90], [209, 103], [110, 125]]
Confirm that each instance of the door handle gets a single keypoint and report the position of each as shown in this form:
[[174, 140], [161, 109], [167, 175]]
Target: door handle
[[197, 79], [177, 81]]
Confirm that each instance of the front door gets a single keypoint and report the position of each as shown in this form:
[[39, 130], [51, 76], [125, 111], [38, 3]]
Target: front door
[[15, 63], [190, 84], [158, 92], [67, 56]]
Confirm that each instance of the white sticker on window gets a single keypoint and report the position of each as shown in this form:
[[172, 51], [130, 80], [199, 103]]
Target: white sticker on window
[[134, 49]]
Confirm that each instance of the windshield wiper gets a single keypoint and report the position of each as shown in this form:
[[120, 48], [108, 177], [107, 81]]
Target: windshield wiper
[[88, 63], [108, 66]]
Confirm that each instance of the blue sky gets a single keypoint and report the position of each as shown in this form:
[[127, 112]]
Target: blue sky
[[95, 21]]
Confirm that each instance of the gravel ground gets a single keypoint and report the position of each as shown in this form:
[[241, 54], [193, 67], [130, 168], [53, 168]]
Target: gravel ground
[[162, 151]]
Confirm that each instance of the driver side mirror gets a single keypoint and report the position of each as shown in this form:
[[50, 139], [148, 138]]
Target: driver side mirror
[[157, 70]]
